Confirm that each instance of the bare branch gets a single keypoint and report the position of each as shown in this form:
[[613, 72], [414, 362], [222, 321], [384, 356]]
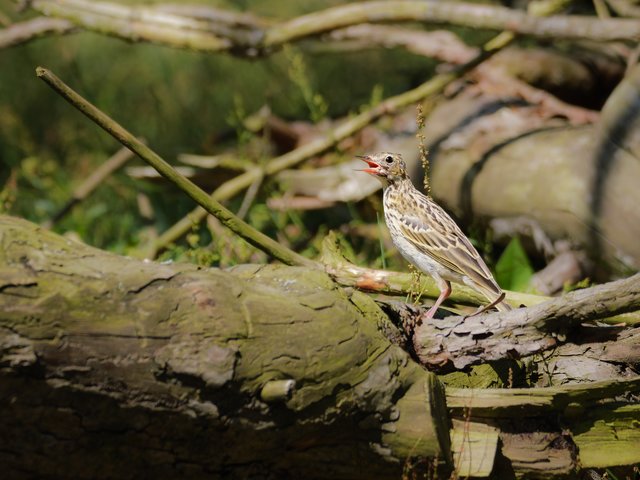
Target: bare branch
[[496, 402], [115, 162], [23, 32]]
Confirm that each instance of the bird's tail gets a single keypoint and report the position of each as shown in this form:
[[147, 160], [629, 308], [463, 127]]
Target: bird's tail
[[497, 299], [490, 289], [502, 305]]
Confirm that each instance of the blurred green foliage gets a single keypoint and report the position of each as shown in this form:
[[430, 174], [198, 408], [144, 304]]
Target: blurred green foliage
[[179, 101], [513, 268]]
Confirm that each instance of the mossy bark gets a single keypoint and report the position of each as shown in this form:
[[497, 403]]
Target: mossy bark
[[115, 368], [126, 369]]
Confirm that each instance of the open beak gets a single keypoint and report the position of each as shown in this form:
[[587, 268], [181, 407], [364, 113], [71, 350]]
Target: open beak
[[373, 169]]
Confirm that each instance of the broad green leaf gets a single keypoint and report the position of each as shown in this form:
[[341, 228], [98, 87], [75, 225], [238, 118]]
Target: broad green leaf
[[513, 269]]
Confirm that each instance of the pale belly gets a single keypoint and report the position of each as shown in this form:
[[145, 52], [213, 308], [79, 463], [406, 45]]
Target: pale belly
[[424, 263]]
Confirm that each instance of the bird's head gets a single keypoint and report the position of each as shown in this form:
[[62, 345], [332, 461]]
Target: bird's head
[[387, 167]]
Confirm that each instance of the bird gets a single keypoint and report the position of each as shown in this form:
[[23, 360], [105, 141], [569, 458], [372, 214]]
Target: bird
[[426, 236]]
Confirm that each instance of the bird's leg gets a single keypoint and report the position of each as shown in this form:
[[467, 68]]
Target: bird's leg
[[445, 291], [487, 307]]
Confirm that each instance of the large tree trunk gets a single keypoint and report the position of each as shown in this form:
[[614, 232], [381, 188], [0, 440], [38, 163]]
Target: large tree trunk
[[115, 368]]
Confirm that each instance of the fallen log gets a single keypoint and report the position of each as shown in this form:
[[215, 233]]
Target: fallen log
[[114, 367]]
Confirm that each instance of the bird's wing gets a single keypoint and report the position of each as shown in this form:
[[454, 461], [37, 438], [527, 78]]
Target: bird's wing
[[433, 232]]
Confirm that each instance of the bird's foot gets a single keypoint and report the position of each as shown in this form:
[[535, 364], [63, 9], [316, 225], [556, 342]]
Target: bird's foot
[[429, 314]]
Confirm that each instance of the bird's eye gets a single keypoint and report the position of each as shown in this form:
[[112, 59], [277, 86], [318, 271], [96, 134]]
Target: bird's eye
[[389, 159]]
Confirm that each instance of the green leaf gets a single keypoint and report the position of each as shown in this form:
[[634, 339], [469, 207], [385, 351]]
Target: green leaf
[[513, 270]]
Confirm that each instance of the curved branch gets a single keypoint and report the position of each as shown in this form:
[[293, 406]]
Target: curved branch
[[217, 31], [276, 368], [29, 30]]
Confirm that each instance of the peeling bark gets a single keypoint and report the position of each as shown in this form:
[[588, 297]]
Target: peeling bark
[[522, 332]]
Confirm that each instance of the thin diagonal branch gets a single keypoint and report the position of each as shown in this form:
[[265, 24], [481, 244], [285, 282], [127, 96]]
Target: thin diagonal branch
[[241, 228]]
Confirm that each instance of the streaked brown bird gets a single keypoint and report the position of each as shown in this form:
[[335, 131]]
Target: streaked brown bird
[[428, 237]]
